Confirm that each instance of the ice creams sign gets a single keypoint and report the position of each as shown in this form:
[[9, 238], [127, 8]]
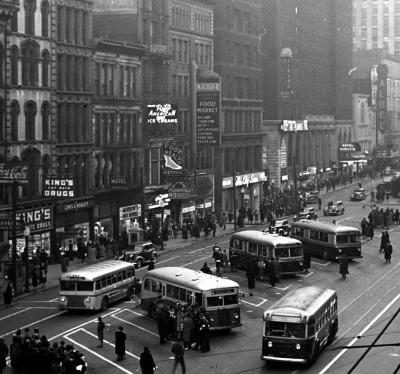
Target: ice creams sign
[[162, 114]]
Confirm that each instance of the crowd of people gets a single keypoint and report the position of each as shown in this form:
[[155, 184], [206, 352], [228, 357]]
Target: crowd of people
[[33, 353]]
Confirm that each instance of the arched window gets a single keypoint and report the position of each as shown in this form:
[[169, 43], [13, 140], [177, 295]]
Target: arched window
[[45, 68], [30, 117], [30, 8], [14, 57], [31, 157], [362, 112], [45, 120], [30, 54], [45, 18], [14, 114]]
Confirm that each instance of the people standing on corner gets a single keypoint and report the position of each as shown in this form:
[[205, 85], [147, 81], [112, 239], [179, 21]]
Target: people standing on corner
[[179, 352], [3, 355], [120, 338], [388, 250], [147, 363], [343, 266], [100, 331], [8, 295]]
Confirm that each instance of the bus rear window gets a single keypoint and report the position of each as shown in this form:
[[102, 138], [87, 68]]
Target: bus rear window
[[231, 299], [286, 329], [84, 286], [67, 286], [281, 252], [215, 301]]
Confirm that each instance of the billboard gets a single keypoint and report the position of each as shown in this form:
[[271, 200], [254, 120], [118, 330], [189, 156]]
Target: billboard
[[208, 111], [173, 162]]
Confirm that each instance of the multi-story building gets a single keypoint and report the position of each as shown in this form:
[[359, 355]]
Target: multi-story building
[[307, 55], [376, 25], [237, 62], [117, 131], [73, 138], [27, 111]]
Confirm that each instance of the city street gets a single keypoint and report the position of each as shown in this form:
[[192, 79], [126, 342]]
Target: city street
[[367, 300]]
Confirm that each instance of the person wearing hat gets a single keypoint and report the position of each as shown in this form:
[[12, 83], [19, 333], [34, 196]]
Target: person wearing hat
[[147, 363], [120, 338], [3, 355], [100, 331]]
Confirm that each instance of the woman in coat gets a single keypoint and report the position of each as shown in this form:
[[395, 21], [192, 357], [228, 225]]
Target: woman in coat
[[388, 252], [146, 361], [188, 326], [251, 278]]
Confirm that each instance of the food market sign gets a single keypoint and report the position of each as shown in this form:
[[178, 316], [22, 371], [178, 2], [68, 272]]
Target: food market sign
[[58, 187], [13, 171], [37, 219], [208, 111]]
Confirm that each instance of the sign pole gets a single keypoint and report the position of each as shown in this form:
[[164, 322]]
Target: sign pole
[[14, 197], [26, 234], [234, 198]]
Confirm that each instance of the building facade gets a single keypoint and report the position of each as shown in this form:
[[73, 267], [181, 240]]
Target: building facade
[[376, 25]]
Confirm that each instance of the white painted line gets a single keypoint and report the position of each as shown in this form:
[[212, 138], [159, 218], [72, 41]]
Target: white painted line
[[169, 259], [192, 262], [98, 355], [56, 299], [134, 325], [255, 305], [344, 219], [14, 314], [105, 341], [36, 322], [321, 264], [208, 246], [306, 275], [362, 332], [83, 324]]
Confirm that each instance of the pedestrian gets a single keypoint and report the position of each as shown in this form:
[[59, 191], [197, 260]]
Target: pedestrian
[[251, 278], [222, 221], [187, 332], [343, 266], [147, 363], [204, 334], [271, 271], [218, 261], [8, 295], [70, 250], [151, 265], [64, 263], [388, 250], [162, 323], [179, 352], [3, 355], [307, 261], [100, 331], [120, 338], [206, 269], [319, 202], [43, 274]]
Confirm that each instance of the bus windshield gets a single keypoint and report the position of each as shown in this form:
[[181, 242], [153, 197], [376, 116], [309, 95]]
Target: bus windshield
[[281, 252], [286, 329], [76, 286], [296, 251], [222, 300], [347, 239], [67, 285]]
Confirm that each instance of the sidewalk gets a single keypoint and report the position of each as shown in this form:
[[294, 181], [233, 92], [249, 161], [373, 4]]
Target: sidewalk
[[54, 270]]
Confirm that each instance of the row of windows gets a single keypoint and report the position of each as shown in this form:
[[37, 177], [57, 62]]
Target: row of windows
[[182, 18], [115, 164], [180, 85], [72, 25], [326, 314], [114, 278], [112, 129], [30, 130], [30, 11], [201, 52], [266, 251], [112, 80], [239, 121], [73, 120], [240, 54], [241, 87], [77, 166], [73, 73], [242, 159]]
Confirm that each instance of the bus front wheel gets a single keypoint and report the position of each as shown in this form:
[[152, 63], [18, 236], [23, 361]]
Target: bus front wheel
[[104, 304]]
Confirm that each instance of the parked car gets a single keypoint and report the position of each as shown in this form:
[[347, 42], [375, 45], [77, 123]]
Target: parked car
[[358, 194], [334, 209], [306, 213], [140, 255], [281, 227]]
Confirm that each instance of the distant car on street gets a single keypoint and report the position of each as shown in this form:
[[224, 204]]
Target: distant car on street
[[281, 227], [334, 209], [140, 255], [388, 171], [306, 213], [312, 197], [358, 194]]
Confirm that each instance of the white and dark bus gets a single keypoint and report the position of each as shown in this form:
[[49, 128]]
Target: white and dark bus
[[327, 240], [219, 297], [300, 325], [96, 286], [288, 252]]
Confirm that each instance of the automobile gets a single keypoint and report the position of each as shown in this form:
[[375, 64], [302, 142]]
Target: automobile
[[358, 194], [281, 227], [312, 197], [140, 255], [388, 171], [334, 209], [306, 213]]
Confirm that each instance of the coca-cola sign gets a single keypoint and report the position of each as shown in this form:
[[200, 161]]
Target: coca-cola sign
[[13, 171]]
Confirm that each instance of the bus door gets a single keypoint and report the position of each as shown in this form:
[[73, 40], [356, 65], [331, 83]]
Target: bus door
[[151, 290]]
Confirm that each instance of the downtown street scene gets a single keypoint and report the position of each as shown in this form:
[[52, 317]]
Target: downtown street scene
[[199, 186]]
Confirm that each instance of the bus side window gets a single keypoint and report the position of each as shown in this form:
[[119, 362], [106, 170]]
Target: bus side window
[[332, 239], [264, 251], [146, 284], [250, 247], [182, 294], [119, 276], [98, 285], [103, 282], [198, 299], [109, 280]]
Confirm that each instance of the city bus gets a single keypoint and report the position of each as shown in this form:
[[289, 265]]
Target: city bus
[[219, 297], [248, 244], [96, 286], [299, 325], [327, 240]]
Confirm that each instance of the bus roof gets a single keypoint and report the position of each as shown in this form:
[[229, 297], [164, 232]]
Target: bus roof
[[325, 226], [304, 301], [265, 238], [94, 271], [189, 278]]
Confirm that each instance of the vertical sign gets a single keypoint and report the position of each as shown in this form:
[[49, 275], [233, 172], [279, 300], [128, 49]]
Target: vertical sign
[[208, 111], [381, 97]]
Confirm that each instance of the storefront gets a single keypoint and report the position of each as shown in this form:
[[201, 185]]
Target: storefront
[[247, 189]]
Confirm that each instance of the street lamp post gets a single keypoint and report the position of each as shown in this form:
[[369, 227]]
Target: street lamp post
[[27, 232]]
